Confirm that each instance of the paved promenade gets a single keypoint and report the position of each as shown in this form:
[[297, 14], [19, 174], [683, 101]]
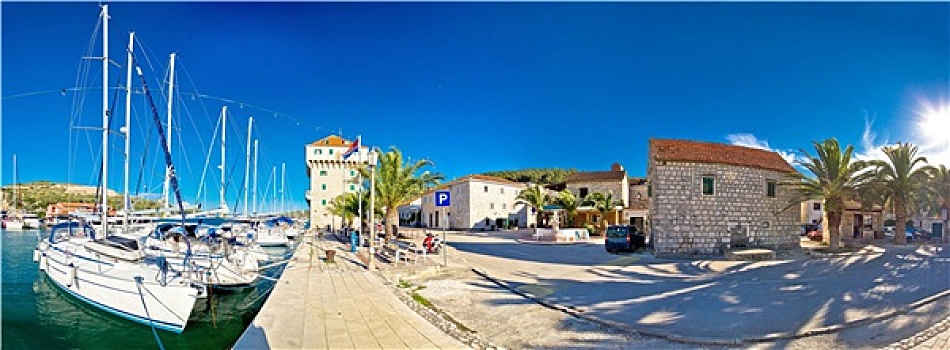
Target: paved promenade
[[319, 305]]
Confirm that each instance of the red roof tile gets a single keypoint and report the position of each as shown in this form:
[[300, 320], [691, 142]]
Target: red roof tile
[[707, 152]]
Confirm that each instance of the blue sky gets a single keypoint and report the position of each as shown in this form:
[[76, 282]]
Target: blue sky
[[477, 87]]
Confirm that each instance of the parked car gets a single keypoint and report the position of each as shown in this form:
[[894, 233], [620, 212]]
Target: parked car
[[624, 238]]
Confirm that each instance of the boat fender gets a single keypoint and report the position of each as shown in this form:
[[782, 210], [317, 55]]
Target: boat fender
[[36, 255], [72, 274], [162, 277], [44, 262]]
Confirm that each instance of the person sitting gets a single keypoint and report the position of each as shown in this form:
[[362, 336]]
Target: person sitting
[[428, 242]]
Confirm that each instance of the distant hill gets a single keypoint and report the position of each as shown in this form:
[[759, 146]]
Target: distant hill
[[35, 196], [534, 175]]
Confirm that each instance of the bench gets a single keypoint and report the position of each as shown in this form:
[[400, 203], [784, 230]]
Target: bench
[[395, 251]]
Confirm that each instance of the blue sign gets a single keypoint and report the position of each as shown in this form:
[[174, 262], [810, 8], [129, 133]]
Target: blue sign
[[441, 198]]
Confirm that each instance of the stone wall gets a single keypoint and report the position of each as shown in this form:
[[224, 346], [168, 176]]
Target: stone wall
[[687, 222], [618, 188]]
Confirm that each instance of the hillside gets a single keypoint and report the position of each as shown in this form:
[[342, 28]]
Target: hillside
[[35, 196]]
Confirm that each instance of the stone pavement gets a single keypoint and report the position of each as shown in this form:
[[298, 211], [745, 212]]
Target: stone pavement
[[937, 337], [337, 306]]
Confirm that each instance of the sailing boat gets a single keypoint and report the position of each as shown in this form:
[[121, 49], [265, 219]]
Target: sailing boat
[[14, 219], [111, 272]]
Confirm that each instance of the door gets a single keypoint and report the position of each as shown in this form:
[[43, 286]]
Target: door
[[937, 230], [637, 222], [857, 225]]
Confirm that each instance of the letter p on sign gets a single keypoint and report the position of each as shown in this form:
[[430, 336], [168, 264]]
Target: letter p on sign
[[441, 198]]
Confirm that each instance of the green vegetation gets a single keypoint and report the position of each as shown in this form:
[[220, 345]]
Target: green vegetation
[[836, 178], [566, 199], [34, 197], [398, 182], [535, 197], [542, 176], [901, 179], [347, 206], [604, 204]]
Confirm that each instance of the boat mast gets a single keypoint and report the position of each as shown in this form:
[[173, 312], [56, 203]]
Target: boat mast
[[127, 131], [168, 139], [14, 184], [224, 203], [255, 177], [283, 177], [104, 210], [247, 162]]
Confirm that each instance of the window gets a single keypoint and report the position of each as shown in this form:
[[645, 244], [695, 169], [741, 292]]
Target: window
[[583, 192], [317, 151], [323, 173], [323, 187], [352, 187], [770, 188], [491, 205], [504, 206], [502, 189], [650, 191], [709, 185], [331, 152], [323, 202], [816, 206], [352, 172], [486, 189]]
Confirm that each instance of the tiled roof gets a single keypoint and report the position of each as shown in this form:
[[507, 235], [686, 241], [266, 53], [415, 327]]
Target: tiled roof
[[332, 140], [707, 152], [634, 181], [589, 176]]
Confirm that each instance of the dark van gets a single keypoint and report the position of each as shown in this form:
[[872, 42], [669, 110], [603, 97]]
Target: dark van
[[624, 238]]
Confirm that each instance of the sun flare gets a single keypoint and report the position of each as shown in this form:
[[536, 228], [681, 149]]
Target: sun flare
[[934, 123]]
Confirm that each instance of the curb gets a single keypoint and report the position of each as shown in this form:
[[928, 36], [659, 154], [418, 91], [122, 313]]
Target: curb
[[719, 342]]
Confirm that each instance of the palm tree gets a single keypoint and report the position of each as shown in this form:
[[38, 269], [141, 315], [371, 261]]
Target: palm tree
[[903, 175], [603, 204], [398, 183], [535, 197], [343, 206], [940, 187], [567, 200], [835, 178]]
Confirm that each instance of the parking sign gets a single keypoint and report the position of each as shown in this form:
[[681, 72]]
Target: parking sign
[[441, 198]]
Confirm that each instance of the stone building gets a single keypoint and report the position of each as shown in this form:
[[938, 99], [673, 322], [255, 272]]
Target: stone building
[[330, 176], [478, 202], [630, 192], [709, 197]]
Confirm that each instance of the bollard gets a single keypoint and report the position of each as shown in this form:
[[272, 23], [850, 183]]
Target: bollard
[[330, 254], [354, 241]]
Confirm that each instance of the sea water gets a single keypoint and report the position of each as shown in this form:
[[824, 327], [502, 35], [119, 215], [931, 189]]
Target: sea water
[[39, 315]]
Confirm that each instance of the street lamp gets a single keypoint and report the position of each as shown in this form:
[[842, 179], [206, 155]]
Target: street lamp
[[372, 208]]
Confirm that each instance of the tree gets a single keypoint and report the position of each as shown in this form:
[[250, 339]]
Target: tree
[[902, 175], [341, 206], [835, 178], [398, 182], [569, 202], [604, 204], [940, 188], [871, 193], [535, 197]]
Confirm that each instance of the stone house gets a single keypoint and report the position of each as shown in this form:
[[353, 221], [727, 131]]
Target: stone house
[[630, 192], [478, 202], [709, 197]]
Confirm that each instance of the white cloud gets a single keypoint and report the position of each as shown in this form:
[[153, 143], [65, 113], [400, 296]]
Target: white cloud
[[749, 140]]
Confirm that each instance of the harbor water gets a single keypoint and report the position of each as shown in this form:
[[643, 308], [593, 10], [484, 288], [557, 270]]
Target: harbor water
[[38, 315]]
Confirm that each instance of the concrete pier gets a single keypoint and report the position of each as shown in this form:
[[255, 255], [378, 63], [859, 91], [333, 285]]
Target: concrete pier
[[340, 305]]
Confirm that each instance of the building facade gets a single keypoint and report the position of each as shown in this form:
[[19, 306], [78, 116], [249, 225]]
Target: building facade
[[330, 176], [709, 197], [478, 202], [630, 193]]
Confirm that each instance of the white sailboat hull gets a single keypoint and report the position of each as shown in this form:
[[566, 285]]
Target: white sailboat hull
[[13, 225], [110, 285]]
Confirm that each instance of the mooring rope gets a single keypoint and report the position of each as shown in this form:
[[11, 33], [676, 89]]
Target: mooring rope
[[138, 284]]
